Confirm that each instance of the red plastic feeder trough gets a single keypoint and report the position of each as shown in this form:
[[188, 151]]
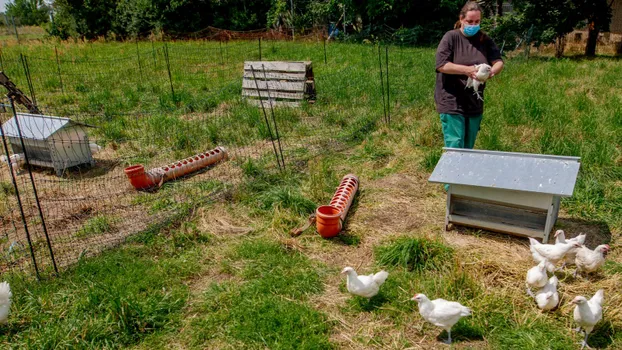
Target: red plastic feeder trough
[[142, 180], [329, 218]]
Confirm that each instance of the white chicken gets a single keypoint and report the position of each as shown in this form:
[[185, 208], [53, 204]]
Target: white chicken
[[590, 260], [554, 253], [17, 160], [587, 313], [560, 237], [441, 313], [364, 286], [547, 298], [536, 277], [5, 302], [483, 73], [95, 148]]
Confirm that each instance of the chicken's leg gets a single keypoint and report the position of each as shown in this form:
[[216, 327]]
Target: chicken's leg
[[584, 342], [448, 341]]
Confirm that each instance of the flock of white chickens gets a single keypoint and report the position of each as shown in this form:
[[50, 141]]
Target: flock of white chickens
[[445, 314]]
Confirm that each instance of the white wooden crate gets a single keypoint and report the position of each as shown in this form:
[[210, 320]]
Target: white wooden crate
[[278, 83]]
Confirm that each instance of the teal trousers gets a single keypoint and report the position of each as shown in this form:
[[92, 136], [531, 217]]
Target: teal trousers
[[460, 131]]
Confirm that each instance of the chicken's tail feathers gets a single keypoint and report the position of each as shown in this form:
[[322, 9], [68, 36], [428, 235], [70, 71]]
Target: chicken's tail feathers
[[380, 277], [5, 291], [599, 297], [532, 241]]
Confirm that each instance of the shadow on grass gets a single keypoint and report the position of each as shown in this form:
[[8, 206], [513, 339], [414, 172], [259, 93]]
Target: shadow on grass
[[602, 336], [369, 305], [598, 232]]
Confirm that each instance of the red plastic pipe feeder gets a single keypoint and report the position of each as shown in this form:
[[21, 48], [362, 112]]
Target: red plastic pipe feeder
[[329, 218], [142, 180]]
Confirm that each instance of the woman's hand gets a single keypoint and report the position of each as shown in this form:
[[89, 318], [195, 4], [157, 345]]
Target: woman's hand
[[471, 72]]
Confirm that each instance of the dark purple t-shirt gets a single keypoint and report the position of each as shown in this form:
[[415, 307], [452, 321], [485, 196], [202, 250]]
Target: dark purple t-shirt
[[450, 94]]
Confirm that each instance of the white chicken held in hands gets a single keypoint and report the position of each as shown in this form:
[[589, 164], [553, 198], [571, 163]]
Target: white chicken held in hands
[[483, 73], [441, 313], [547, 298], [364, 286], [587, 313], [5, 302], [536, 277], [590, 260]]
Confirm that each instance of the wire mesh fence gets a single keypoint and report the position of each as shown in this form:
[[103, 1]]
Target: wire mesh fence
[[159, 103]]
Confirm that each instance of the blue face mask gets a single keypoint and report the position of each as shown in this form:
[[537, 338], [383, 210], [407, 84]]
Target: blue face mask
[[470, 30]]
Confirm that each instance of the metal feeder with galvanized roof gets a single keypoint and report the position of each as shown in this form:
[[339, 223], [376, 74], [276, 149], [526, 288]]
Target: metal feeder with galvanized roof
[[515, 193], [52, 142]]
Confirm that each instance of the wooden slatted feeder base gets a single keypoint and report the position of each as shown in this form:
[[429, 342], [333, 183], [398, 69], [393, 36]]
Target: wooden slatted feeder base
[[514, 193], [282, 83]]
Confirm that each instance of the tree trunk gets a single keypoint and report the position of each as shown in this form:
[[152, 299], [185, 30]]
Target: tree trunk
[[560, 46], [499, 8], [592, 40]]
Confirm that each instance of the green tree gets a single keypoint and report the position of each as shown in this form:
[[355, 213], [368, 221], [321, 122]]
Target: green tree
[[29, 12]]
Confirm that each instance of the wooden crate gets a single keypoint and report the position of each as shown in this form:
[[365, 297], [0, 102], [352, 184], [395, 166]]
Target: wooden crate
[[278, 83]]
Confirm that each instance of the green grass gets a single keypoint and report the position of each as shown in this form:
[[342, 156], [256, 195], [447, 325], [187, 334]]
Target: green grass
[[110, 301], [96, 226], [268, 307], [182, 288], [414, 254]]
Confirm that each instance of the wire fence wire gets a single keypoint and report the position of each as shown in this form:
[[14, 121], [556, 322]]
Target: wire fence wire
[[155, 103]]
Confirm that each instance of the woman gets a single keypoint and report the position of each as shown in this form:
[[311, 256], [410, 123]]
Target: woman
[[457, 54]]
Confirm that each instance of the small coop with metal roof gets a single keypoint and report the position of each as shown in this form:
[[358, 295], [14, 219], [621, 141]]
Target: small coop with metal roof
[[515, 193], [51, 142]]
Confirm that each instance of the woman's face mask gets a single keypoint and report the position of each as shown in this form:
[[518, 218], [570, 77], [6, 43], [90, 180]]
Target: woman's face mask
[[470, 30], [470, 23]]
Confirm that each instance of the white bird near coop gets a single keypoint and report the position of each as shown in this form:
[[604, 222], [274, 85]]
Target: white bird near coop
[[17, 160], [590, 260], [441, 313], [95, 148], [587, 313], [560, 237], [5, 302], [364, 286], [547, 298], [554, 253], [483, 73], [537, 277]]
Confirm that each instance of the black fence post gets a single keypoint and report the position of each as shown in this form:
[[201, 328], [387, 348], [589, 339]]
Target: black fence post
[[260, 49], [168, 67], [384, 107], [388, 90], [276, 128], [140, 67], [28, 78], [15, 27], [60, 77], [265, 115], [153, 53], [34, 186], [324, 51], [19, 199]]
